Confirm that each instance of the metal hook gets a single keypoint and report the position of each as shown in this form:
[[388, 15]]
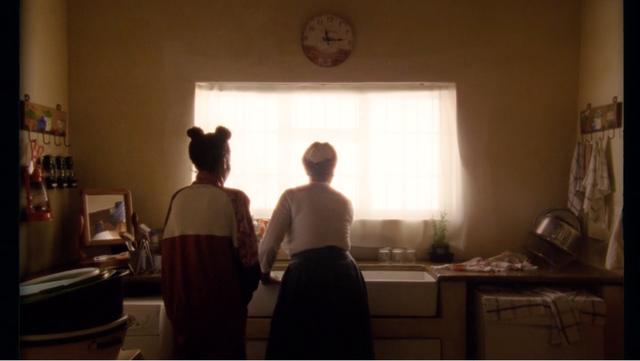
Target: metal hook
[[43, 139], [29, 135], [26, 97], [55, 140], [615, 99], [64, 137]]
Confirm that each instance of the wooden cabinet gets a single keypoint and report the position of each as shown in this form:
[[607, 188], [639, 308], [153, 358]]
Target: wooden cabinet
[[439, 337]]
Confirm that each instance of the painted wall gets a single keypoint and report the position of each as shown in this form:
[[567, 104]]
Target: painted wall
[[133, 65], [601, 78], [44, 76]]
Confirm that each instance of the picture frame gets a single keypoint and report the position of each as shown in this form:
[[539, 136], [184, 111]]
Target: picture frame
[[107, 213]]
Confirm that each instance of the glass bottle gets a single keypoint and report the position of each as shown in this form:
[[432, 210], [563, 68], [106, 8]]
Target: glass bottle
[[71, 179], [51, 171], [62, 172]]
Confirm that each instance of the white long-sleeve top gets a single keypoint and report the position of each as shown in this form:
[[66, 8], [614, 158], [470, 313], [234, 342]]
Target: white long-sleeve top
[[310, 216]]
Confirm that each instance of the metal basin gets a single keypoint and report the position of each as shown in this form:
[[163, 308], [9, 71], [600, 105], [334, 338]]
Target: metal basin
[[391, 293]]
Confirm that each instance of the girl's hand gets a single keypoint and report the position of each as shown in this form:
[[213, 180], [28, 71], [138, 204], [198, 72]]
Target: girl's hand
[[266, 279]]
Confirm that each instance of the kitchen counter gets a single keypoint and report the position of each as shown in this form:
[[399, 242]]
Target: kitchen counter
[[148, 284], [573, 273], [451, 326]]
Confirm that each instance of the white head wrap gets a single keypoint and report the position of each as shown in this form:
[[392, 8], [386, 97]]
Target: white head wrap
[[319, 152]]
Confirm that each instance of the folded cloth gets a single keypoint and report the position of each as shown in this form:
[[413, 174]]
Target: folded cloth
[[597, 186], [505, 261], [561, 310]]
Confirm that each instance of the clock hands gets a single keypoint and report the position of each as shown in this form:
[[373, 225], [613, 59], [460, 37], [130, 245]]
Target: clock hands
[[328, 39]]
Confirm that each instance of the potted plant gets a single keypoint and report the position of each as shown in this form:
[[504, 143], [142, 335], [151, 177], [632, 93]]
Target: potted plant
[[439, 251]]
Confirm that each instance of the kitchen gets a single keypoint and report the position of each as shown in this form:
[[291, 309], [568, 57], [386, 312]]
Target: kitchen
[[523, 70]]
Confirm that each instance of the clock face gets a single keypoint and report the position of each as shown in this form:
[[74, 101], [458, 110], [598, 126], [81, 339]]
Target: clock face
[[327, 40]]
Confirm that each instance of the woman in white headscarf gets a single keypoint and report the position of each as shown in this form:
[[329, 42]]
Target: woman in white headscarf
[[322, 310]]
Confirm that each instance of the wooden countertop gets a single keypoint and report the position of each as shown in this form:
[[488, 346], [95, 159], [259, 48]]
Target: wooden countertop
[[572, 273], [575, 273]]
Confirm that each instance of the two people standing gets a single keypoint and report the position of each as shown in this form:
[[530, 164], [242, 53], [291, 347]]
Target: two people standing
[[212, 264]]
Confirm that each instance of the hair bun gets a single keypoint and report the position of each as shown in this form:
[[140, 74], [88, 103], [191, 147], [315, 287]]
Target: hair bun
[[223, 133], [195, 132]]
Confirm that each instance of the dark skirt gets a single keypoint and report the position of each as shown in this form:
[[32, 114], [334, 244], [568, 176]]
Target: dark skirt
[[322, 310]]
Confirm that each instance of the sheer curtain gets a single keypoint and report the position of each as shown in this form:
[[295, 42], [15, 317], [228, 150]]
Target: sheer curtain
[[396, 142]]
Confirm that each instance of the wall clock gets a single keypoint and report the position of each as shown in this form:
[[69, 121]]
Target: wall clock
[[327, 40]]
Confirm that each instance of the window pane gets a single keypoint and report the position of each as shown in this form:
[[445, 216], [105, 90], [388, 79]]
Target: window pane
[[388, 142]]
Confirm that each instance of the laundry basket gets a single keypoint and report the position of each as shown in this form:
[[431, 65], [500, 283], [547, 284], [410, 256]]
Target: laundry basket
[[539, 323]]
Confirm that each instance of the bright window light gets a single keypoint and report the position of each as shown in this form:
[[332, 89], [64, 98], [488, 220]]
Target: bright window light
[[396, 142]]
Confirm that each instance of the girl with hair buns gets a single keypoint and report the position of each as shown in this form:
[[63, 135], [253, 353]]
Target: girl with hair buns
[[210, 263], [322, 311]]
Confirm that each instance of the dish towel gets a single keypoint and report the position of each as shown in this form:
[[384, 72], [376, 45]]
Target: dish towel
[[576, 179], [615, 250], [597, 186], [561, 311], [505, 261]]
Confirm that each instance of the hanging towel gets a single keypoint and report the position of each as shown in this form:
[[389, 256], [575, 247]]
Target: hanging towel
[[576, 179], [615, 250], [597, 186]]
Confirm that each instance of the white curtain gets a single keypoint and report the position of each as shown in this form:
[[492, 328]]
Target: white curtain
[[396, 142]]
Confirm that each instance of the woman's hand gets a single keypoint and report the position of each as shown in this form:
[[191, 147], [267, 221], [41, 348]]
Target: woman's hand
[[266, 279]]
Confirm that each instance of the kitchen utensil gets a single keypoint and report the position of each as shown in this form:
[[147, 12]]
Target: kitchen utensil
[[86, 300], [560, 227], [102, 342], [61, 279]]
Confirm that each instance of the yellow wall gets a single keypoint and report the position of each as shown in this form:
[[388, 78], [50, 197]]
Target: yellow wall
[[601, 78], [133, 65], [44, 76]]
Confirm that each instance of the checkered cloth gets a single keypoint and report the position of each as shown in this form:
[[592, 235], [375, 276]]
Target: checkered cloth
[[561, 311], [597, 186], [505, 261], [576, 179]]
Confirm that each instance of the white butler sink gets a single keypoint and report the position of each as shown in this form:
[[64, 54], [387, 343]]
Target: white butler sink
[[401, 293], [391, 293]]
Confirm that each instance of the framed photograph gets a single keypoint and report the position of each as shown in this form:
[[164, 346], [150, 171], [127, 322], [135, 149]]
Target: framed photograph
[[107, 213]]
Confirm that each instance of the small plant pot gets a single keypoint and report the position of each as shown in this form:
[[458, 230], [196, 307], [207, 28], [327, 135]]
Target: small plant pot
[[440, 254]]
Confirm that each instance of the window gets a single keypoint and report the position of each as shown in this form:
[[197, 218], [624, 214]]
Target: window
[[396, 142]]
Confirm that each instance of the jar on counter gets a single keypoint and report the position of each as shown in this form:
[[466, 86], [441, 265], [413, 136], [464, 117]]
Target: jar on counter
[[397, 255], [410, 256], [384, 254]]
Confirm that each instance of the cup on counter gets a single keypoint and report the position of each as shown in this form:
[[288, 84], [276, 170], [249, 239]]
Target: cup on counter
[[397, 255], [384, 254]]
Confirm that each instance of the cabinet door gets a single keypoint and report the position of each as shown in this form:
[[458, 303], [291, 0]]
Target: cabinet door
[[407, 349], [385, 349], [256, 349]]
